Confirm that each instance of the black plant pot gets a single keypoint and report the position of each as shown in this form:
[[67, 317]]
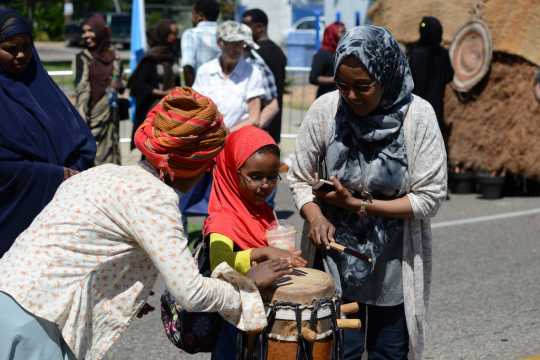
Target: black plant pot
[[491, 186], [462, 183]]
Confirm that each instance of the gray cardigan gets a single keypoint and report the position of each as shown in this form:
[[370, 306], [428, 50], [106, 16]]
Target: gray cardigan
[[427, 190]]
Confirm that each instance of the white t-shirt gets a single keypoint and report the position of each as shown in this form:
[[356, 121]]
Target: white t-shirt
[[231, 94]]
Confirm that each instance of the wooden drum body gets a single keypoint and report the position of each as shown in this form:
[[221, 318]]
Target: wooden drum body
[[307, 301]]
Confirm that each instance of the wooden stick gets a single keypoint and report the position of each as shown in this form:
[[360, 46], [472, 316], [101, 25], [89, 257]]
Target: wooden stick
[[336, 246], [311, 336], [349, 323], [350, 308]]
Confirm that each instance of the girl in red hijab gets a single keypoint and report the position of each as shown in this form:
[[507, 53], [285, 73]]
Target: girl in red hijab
[[246, 173], [322, 67]]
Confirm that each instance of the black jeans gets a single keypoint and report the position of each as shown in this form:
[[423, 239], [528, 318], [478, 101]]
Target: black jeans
[[387, 337]]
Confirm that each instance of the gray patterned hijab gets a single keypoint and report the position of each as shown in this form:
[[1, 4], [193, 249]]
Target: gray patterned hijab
[[381, 131], [380, 54], [368, 153]]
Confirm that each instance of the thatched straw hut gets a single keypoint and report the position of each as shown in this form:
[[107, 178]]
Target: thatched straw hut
[[497, 127]]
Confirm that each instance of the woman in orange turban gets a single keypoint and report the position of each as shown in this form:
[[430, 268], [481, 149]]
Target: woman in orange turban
[[85, 267]]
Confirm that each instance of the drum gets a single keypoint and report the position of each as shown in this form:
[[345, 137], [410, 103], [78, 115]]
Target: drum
[[304, 318]]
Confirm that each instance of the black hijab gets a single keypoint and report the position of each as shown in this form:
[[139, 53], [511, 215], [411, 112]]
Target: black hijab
[[41, 133], [430, 66], [431, 31], [161, 52], [160, 48]]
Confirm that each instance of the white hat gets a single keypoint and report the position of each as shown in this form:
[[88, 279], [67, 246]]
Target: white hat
[[233, 31]]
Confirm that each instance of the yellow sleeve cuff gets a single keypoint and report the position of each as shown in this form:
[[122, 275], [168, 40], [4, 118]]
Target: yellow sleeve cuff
[[221, 250]]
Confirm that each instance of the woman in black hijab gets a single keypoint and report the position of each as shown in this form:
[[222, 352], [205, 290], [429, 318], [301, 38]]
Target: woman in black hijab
[[43, 140], [431, 68], [158, 71]]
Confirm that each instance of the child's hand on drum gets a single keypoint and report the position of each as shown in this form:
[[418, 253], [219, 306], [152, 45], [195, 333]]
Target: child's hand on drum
[[271, 253], [264, 274]]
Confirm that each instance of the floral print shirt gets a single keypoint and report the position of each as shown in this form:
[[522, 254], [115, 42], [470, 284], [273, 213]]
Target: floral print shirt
[[90, 258]]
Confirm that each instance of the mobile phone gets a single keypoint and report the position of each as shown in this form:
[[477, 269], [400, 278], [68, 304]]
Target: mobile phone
[[324, 186]]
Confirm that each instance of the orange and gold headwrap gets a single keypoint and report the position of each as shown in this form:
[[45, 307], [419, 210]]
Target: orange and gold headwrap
[[182, 134]]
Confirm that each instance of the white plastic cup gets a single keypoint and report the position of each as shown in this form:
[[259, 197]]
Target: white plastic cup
[[282, 236]]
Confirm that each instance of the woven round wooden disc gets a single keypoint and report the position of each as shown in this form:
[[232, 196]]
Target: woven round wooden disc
[[470, 54]]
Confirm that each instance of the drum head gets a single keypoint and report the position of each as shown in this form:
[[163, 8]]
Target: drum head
[[470, 54], [302, 287]]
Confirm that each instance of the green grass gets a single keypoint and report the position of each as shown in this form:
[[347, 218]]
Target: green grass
[[57, 65]]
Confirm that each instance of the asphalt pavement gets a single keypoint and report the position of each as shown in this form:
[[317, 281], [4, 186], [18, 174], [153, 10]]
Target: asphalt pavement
[[485, 290]]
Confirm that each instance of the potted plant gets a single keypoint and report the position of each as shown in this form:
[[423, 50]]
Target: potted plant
[[461, 180], [491, 184]]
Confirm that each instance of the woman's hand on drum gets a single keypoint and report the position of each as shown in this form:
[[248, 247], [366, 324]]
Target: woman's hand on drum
[[341, 197], [271, 253], [321, 231], [264, 274]]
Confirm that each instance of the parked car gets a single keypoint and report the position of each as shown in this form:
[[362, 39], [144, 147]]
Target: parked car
[[300, 41], [73, 34], [119, 23], [306, 25]]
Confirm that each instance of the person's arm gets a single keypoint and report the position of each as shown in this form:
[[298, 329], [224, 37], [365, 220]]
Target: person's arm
[[155, 223], [427, 163], [253, 115], [254, 110], [189, 75], [86, 150], [82, 86], [396, 208], [271, 109], [427, 170], [187, 63], [118, 78], [255, 90], [268, 113], [77, 67], [222, 250], [140, 84], [302, 173], [318, 65]]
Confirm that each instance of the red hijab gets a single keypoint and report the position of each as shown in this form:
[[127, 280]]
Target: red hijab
[[331, 36], [229, 213]]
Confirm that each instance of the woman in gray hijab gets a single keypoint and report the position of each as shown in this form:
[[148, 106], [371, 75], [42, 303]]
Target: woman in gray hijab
[[381, 147]]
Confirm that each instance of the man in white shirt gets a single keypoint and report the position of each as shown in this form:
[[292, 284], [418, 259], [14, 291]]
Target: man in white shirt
[[199, 43], [230, 81]]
